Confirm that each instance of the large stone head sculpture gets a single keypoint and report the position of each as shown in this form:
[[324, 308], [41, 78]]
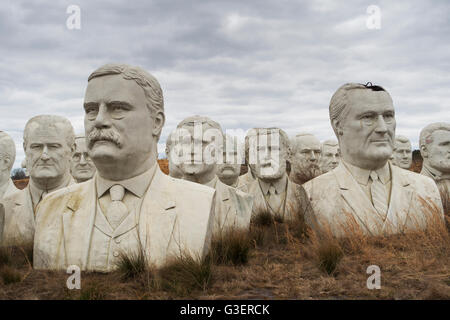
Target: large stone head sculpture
[[305, 157], [174, 170], [201, 142], [228, 171], [269, 150], [48, 141], [7, 156], [363, 119], [124, 116], [435, 147], [402, 155], [329, 158], [82, 167]]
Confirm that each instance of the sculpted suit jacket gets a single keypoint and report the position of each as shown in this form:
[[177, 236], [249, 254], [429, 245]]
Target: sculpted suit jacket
[[20, 217], [11, 188], [337, 199], [176, 217], [233, 207], [297, 202]]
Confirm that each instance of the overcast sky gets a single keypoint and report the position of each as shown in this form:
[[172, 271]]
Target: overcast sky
[[243, 63]]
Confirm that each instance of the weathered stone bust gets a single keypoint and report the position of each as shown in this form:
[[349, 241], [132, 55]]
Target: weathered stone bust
[[329, 158], [7, 158], [306, 150], [82, 167], [48, 141], [228, 171], [130, 206], [174, 170], [365, 191], [202, 144], [435, 150], [402, 155], [273, 192]]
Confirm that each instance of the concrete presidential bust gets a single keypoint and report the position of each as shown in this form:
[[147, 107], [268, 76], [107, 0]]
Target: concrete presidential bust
[[48, 142], [273, 192], [365, 189], [228, 171], [304, 159], [7, 158], [202, 146], [129, 206], [82, 167], [330, 156], [402, 155], [435, 150]]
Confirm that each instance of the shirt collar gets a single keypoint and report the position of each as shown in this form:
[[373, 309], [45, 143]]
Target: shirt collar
[[212, 183], [136, 185], [280, 185], [362, 175], [37, 193]]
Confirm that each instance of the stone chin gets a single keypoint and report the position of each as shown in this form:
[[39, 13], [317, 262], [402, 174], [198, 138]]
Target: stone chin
[[45, 173]]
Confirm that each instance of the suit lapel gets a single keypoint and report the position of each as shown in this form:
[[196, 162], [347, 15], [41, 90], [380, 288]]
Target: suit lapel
[[79, 219], [400, 202], [157, 218], [362, 209]]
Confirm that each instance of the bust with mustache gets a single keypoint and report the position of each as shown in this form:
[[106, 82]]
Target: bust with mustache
[[130, 207]]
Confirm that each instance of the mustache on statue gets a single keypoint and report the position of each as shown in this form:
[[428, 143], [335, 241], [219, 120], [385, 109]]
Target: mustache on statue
[[104, 135]]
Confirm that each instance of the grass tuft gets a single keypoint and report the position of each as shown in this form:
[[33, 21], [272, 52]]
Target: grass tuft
[[132, 265], [9, 275], [231, 247], [184, 275]]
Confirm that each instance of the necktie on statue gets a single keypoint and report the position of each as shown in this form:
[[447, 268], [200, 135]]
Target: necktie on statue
[[378, 192], [117, 210], [274, 199]]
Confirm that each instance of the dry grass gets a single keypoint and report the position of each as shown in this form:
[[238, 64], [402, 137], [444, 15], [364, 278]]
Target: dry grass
[[285, 261]]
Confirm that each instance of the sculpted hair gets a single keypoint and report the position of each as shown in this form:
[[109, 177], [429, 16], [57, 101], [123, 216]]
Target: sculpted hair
[[7, 148], [402, 139], [189, 121], [329, 142], [145, 80], [59, 123], [284, 138], [339, 101], [425, 134]]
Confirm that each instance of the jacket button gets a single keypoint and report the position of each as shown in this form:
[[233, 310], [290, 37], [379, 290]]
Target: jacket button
[[117, 240], [116, 254]]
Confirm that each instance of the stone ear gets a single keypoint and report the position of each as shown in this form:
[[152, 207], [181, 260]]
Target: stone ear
[[158, 124], [337, 125], [423, 151]]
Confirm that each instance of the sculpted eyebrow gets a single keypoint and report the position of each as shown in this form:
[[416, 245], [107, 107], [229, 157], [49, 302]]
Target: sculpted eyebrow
[[90, 104], [120, 103]]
